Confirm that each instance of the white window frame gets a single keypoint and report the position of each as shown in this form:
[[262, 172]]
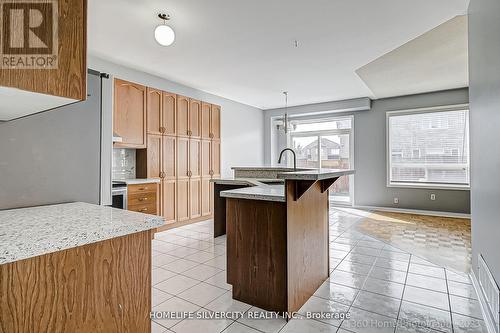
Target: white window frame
[[456, 107]]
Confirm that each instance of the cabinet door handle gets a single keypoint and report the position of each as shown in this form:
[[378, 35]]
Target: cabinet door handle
[[143, 199], [143, 210], [143, 188], [162, 129]]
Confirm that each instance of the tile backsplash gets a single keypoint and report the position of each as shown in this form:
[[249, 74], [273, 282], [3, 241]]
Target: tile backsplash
[[123, 163]]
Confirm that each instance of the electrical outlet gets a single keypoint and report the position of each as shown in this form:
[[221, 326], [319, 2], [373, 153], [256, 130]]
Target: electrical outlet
[[396, 200], [433, 196]]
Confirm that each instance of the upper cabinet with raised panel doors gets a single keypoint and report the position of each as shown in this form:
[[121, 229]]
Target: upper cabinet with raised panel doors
[[129, 114], [50, 68], [205, 120], [183, 116], [169, 118], [215, 122], [154, 111], [194, 118], [183, 150]]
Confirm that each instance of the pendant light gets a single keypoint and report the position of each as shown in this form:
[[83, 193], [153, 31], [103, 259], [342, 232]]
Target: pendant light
[[285, 124], [164, 34]]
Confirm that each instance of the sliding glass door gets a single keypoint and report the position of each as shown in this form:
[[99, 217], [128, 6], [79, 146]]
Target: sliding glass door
[[326, 144]]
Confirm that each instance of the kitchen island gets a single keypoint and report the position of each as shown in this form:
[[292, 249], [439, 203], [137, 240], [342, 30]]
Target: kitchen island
[[75, 267], [278, 237]]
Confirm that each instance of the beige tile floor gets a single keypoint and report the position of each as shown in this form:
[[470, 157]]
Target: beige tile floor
[[383, 288]]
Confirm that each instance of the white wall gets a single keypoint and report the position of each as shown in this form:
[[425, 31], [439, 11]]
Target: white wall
[[242, 126]]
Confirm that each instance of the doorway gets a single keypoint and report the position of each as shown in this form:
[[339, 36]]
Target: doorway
[[326, 143]]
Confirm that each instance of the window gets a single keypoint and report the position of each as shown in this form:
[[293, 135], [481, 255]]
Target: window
[[428, 148]]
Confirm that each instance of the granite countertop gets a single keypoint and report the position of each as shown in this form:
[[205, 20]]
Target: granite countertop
[[269, 168], [316, 174], [247, 181], [266, 193], [35, 231], [135, 181]]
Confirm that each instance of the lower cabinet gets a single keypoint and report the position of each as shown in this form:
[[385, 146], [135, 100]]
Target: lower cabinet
[[195, 197], [143, 198], [206, 197], [169, 200], [183, 206]]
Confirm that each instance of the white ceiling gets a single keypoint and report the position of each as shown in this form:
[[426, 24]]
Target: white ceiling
[[440, 54], [244, 50]]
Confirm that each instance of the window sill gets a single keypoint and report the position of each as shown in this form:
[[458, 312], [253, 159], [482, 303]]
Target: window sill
[[430, 186]]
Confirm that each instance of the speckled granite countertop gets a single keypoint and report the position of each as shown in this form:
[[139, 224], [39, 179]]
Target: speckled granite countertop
[[136, 181], [266, 193], [316, 174], [248, 181], [34, 231]]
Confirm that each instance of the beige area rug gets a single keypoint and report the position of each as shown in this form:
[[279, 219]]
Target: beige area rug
[[443, 241]]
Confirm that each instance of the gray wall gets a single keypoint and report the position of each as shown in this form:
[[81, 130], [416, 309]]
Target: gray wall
[[242, 132], [484, 72], [53, 156], [370, 187]]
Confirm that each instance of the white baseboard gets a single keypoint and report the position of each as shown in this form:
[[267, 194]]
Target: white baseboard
[[414, 211], [488, 318]]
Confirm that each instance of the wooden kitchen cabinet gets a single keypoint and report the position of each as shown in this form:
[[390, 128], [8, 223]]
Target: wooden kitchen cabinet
[[206, 202], [169, 200], [205, 120], [149, 161], [183, 198], [194, 118], [169, 118], [215, 159], [183, 116], [61, 78], [143, 198], [183, 150], [169, 156], [206, 166], [154, 111], [195, 158], [195, 197], [183, 157], [129, 114], [215, 122]]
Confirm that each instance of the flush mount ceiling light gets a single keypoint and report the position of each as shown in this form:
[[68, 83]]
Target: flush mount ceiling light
[[164, 34]]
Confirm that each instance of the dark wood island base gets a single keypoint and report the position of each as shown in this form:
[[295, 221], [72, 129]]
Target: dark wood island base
[[277, 252]]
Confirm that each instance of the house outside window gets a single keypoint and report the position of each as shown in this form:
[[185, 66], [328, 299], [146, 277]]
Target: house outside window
[[429, 148]]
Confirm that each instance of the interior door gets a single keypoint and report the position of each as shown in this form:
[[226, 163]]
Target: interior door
[[182, 116], [195, 118], [169, 119]]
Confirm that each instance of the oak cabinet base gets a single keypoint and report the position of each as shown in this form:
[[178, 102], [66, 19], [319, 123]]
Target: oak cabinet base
[[101, 287]]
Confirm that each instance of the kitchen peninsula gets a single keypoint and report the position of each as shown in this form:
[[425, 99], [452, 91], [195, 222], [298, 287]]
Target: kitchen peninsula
[[75, 267], [277, 236]]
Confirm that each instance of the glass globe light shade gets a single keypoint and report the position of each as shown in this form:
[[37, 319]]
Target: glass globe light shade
[[164, 35]]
